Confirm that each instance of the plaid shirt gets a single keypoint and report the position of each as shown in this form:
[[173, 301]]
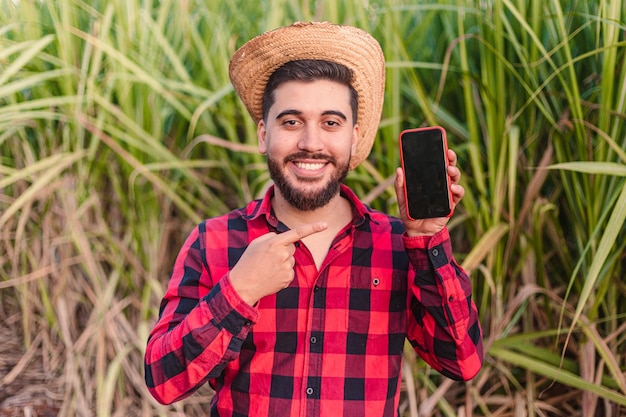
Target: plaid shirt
[[330, 344]]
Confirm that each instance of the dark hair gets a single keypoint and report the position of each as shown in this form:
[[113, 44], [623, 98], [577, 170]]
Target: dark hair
[[309, 70]]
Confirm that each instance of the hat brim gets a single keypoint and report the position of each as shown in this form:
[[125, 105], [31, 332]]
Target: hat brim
[[252, 65]]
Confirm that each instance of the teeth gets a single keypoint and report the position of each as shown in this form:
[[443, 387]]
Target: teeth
[[309, 167]]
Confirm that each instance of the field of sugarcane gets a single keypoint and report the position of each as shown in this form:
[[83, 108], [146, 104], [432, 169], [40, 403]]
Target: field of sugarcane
[[119, 131]]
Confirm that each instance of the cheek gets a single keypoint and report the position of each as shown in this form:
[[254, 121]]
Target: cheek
[[274, 148], [272, 144]]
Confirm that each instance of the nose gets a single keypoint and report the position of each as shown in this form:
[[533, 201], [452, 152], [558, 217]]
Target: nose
[[311, 139]]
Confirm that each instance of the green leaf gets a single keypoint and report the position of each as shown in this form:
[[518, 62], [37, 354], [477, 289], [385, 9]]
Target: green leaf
[[555, 373], [607, 168]]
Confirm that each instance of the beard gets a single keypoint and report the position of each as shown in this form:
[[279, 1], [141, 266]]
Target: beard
[[304, 200]]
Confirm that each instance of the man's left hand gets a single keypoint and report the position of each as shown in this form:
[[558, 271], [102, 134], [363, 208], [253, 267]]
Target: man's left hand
[[429, 227]]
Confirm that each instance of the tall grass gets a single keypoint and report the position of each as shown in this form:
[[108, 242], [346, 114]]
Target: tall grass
[[119, 130]]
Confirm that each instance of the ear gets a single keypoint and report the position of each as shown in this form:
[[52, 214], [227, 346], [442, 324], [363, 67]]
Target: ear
[[356, 134], [261, 134]]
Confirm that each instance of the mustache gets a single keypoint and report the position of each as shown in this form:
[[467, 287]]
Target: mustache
[[309, 155]]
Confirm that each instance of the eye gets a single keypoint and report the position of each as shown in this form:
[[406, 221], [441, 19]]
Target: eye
[[290, 123], [332, 123]]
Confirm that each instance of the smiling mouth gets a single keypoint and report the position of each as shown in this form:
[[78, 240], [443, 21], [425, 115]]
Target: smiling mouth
[[309, 166]]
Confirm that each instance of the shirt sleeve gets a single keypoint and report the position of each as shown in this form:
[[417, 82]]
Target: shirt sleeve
[[443, 320], [201, 327]]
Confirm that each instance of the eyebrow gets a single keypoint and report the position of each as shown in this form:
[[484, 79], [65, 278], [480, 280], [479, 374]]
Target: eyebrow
[[298, 113]]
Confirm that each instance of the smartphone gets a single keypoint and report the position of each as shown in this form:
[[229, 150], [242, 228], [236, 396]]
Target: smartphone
[[424, 157]]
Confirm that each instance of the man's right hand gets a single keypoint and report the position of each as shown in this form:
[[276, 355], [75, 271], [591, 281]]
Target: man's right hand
[[266, 266]]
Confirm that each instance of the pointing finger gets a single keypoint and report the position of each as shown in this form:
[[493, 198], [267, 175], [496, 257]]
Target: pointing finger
[[301, 232]]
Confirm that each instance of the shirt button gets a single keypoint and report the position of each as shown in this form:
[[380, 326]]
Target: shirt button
[[316, 289], [314, 340], [435, 252], [451, 299], [309, 391]]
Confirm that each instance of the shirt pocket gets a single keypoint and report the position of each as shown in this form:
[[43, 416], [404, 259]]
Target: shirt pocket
[[376, 301]]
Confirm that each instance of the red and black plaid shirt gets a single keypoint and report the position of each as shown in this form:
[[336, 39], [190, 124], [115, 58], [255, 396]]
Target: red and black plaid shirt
[[331, 343]]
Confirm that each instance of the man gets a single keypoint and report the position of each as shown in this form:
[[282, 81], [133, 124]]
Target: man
[[299, 304]]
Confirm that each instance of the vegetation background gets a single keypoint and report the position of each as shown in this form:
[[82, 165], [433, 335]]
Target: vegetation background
[[119, 130]]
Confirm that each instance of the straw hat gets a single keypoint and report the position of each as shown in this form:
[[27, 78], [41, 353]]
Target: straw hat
[[252, 65]]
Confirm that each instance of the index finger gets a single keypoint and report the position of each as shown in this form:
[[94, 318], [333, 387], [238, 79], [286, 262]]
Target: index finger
[[301, 232]]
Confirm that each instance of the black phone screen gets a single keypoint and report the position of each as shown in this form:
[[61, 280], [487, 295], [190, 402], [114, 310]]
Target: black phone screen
[[426, 178]]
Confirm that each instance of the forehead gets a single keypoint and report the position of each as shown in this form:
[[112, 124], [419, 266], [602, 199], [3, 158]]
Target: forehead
[[313, 95]]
